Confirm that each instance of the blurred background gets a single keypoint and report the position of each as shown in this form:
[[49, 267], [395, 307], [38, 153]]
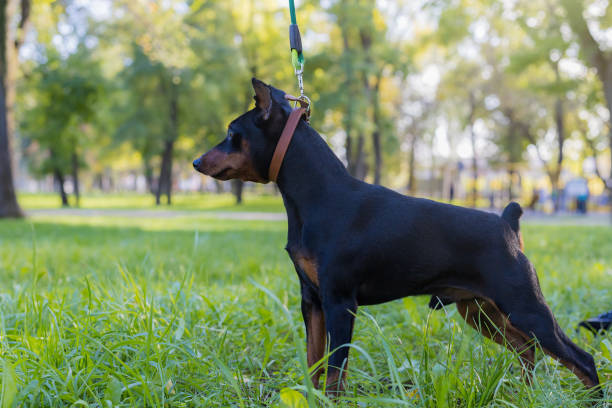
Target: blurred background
[[135, 281], [474, 102]]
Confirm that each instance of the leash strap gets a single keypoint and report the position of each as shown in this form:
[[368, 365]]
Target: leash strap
[[295, 41], [297, 57], [283, 142]]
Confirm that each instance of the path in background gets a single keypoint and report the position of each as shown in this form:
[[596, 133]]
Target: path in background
[[530, 217], [135, 213]]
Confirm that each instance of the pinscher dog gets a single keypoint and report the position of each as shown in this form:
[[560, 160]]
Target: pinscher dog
[[354, 243]]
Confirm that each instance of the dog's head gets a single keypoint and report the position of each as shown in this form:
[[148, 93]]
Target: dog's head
[[247, 150]]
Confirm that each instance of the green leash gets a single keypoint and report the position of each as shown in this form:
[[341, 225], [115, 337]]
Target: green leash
[[295, 40], [297, 58]]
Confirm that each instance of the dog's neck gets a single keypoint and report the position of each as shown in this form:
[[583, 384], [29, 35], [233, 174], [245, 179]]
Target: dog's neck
[[310, 173]]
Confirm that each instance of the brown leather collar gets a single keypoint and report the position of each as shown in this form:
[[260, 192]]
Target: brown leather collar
[[283, 142]]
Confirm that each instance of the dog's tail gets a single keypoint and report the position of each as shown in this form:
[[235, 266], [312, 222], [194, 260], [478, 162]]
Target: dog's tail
[[511, 215]]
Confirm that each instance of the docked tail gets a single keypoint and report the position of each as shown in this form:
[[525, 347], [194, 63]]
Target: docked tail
[[511, 215]]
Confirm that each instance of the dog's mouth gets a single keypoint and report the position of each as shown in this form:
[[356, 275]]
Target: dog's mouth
[[223, 174]]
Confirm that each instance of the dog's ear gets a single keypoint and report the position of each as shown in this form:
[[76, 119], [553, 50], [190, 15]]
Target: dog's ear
[[263, 97]]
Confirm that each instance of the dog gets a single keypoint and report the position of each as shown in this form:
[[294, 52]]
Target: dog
[[353, 243]]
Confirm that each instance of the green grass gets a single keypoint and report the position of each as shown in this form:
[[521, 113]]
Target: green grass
[[190, 202], [195, 311]]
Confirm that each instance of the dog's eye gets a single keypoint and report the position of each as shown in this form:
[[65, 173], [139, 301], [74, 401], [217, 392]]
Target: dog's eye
[[234, 139]]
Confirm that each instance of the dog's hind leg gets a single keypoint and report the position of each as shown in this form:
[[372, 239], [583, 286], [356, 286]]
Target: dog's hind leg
[[523, 303], [487, 319], [536, 319]]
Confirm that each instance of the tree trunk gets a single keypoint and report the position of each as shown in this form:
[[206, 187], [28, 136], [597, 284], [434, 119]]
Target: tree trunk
[[169, 179], [377, 131], [148, 173], [218, 186], [348, 147], [164, 183], [411, 177], [377, 156], [510, 184], [554, 182], [98, 181], [596, 58], [347, 119], [237, 187], [474, 153], [560, 142], [165, 175], [75, 178], [432, 170], [371, 96], [359, 168], [356, 160], [59, 179], [8, 198], [606, 79], [474, 167]]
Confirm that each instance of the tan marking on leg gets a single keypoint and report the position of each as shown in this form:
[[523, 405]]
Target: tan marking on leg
[[309, 266], [335, 384], [315, 342], [521, 243], [515, 338]]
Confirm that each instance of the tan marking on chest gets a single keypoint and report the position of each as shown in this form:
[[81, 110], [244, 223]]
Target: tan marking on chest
[[309, 265]]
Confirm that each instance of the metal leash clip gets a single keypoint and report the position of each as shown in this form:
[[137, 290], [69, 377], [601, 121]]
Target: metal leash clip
[[297, 60], [304, 102]]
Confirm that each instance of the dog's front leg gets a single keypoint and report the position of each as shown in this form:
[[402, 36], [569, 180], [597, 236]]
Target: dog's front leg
[[339, 319], [314, 320]]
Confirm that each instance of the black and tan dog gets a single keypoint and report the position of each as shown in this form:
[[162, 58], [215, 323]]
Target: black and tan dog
[[353, 244]]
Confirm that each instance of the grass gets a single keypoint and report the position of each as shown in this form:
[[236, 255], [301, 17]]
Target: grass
[[184, 201], [200, 312]]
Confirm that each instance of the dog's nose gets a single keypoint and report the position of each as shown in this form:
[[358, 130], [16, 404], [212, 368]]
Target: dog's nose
[[196, 163]]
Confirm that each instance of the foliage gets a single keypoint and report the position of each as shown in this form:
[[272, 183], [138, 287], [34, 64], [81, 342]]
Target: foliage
[[515, 82], [62, 109]]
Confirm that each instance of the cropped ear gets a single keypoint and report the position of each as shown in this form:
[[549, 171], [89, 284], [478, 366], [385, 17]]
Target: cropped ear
[[263, 97]]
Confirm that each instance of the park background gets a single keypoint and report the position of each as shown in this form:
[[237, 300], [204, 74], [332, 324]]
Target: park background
[[161, 286]]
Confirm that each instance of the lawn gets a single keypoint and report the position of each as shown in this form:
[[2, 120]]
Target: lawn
[[195, 311], [183, 201]]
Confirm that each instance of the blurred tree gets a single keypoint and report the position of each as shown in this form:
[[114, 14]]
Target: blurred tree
[[179, 72], [162, 39], [233, 42], [11, 38], [355, 76], [143, 117], [463, 89], [539, 58], [593, 36], [63, 106]]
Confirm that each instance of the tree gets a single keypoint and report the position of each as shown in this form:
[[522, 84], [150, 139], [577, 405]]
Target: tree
[[598, 55], [362, 61], [463, 90], [11, 40], [159, 33], [539, 59], [62, 106]]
